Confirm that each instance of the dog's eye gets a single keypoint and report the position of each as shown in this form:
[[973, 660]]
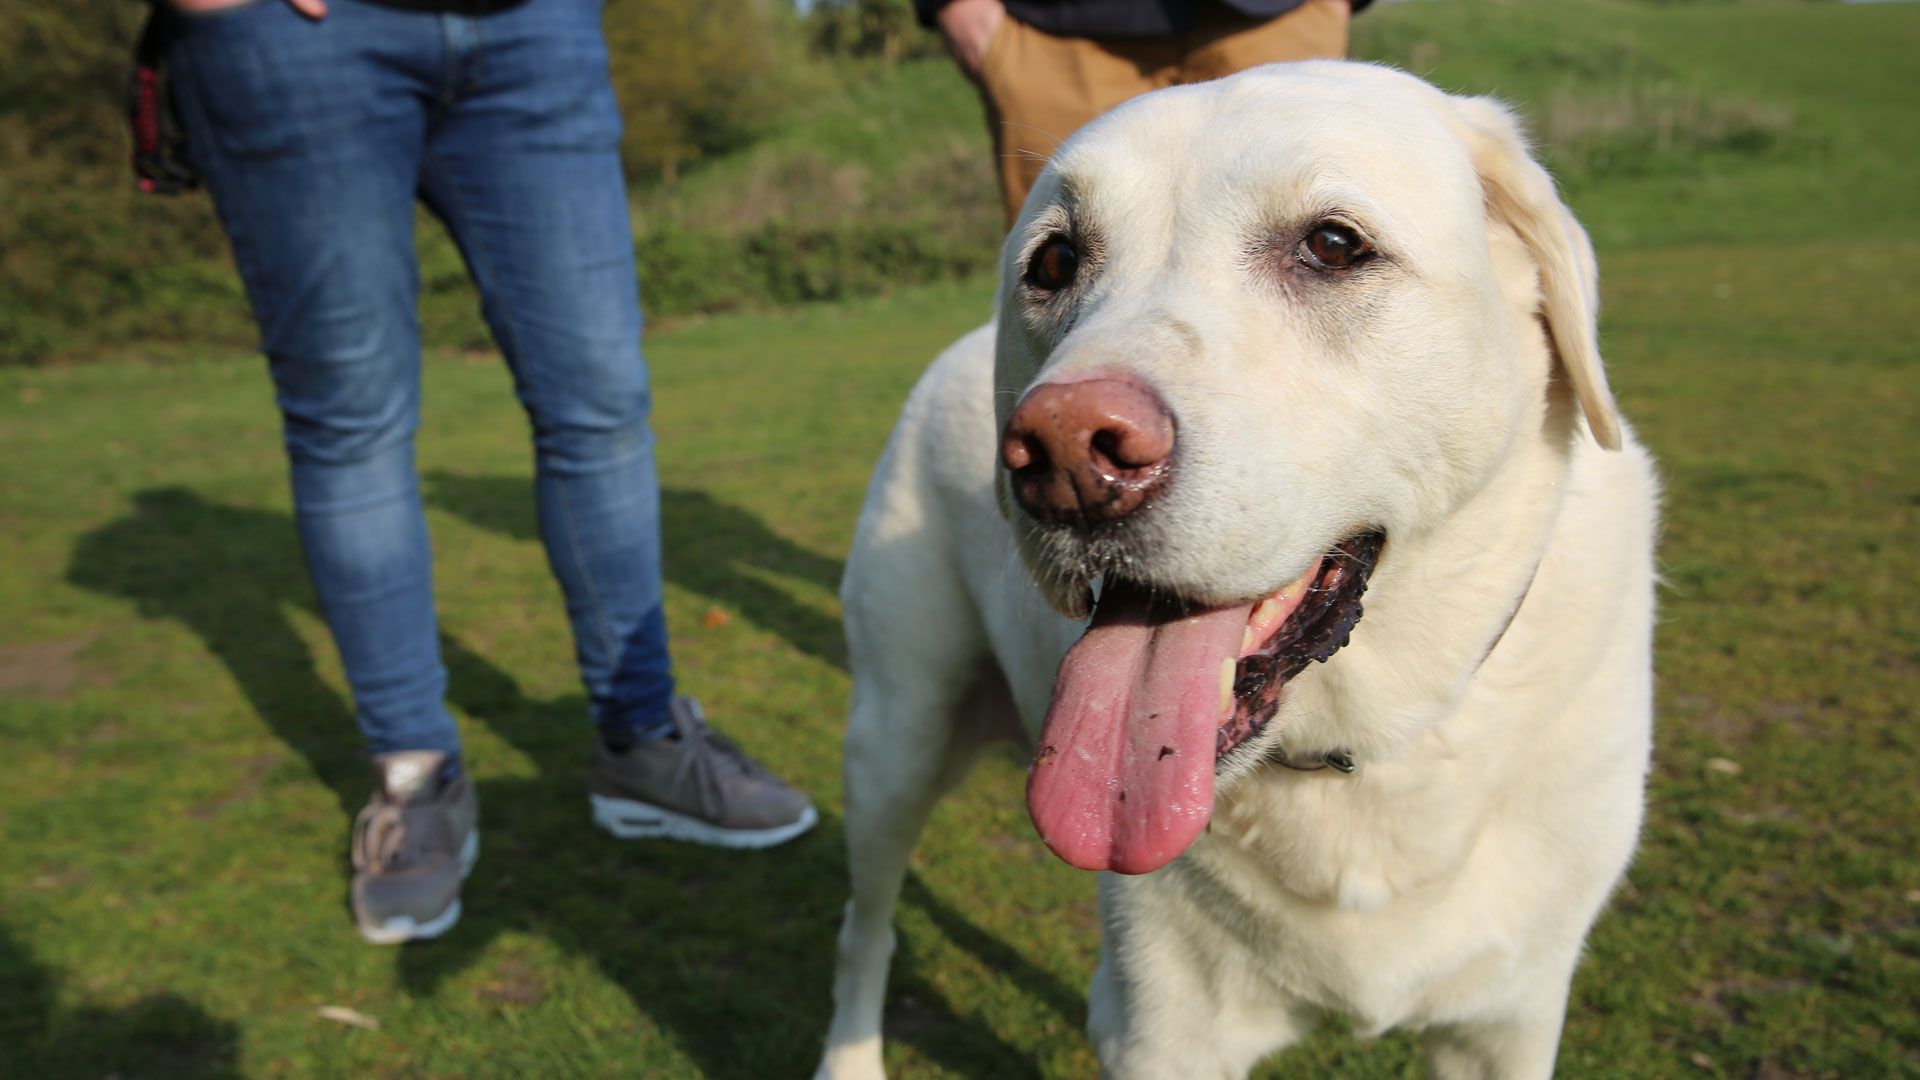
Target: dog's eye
[[1334, 247], [1054, 264]]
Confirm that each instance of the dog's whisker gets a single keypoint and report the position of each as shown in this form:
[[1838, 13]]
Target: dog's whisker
[[1013, 125]]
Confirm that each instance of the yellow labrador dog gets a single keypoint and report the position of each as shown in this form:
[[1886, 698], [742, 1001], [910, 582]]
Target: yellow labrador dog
[[1265, 345]]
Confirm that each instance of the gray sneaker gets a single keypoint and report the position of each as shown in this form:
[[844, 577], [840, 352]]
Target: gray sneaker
[[412, 845], [696, 785]]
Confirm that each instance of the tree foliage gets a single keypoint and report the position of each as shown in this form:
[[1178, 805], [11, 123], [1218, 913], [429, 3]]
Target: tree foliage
[[87, 263], [886, 30], [699, 77]]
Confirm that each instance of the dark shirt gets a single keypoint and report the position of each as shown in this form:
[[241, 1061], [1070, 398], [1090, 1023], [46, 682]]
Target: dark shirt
[[1121, 18]]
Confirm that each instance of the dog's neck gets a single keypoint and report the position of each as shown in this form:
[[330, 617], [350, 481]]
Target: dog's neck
[[1412, 808], [1342, 760], [1448, 594]]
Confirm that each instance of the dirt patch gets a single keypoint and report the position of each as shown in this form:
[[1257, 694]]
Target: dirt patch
[[719, 970], [254, 777], [1905, 668], [908, 1017], [515, 982], [48, 669], [1738, 724], [1028, 847], [109, 732], [1798, 717], [1085, 919], [63, 879]]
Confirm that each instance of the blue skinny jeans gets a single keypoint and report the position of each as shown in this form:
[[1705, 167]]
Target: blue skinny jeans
[[315, 138]]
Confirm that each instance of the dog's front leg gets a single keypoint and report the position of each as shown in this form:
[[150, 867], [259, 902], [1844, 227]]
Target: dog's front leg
[[917, 684], [1517, 1048], [902, 755], [1173, 997]]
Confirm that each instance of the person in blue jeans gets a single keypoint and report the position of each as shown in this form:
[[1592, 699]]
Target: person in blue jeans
[[316, 126]]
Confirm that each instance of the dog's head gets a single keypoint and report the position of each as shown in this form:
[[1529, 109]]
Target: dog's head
[[1251, 333]]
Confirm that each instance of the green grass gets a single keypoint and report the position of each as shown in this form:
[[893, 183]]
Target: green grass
[[182, 767]]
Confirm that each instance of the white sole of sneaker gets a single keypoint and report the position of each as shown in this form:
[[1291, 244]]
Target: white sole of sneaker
[[630, 819], [402, 928]]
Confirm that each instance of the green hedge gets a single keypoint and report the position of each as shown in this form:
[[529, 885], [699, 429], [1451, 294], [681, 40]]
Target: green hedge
[[89, 267], [683, 271]]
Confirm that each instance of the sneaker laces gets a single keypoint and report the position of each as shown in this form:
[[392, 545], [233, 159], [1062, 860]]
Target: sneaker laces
[[710, 753], [394, 836]]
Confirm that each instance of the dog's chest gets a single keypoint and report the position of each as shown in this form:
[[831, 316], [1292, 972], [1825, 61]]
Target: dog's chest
[[1359, 905], [1354, 843]]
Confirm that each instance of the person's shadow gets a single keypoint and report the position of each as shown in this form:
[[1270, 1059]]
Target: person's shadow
[[731, 951], [160, 1035], [707, 547]]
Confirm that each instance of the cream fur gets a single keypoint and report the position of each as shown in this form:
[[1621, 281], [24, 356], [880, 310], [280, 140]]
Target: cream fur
[[1448, 884]]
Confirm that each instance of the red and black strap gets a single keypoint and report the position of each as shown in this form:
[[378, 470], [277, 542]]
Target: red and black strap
[[160, 164]]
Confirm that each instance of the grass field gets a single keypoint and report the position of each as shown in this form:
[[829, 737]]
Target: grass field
[[181, 767]]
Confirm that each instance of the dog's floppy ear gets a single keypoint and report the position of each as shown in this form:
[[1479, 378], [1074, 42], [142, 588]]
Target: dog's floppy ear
[[1521, 194]]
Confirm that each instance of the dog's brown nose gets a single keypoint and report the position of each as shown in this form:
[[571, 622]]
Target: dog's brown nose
[[1089, 451]]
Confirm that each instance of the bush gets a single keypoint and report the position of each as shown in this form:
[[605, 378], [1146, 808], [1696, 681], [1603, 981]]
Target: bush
[[87, 264], [700, 77], [1661, 127], [684, 272], [886, 30], [84, 258]]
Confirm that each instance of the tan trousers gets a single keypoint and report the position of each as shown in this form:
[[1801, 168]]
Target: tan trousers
[[1040, 88]]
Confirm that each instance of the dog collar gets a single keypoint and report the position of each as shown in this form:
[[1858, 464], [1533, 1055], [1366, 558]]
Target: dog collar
[[1340, 760]]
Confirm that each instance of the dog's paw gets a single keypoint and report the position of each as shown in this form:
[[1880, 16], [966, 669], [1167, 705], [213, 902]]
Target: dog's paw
[[853, 1061]]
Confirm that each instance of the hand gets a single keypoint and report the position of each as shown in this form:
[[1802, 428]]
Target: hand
[[967, 26], [312, 9]]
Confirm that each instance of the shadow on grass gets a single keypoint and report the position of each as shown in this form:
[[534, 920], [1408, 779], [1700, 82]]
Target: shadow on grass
[[229, 573], [729, 952], [160, 1035], [707, 547]]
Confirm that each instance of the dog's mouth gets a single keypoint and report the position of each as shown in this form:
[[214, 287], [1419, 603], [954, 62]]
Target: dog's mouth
[[1159, 692]]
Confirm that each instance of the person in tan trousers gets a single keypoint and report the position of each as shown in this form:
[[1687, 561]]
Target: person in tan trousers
[[1045, 68]]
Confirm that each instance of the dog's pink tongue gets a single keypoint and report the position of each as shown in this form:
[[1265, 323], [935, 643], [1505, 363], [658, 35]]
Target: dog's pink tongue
[[1123, 779]]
